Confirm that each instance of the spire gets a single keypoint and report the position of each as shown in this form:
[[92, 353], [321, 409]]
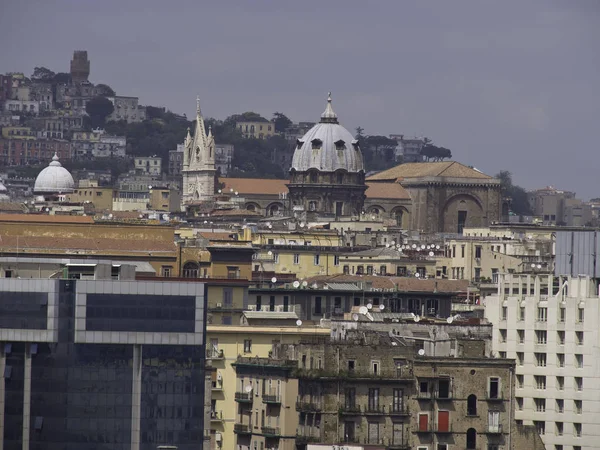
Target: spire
[[329, 116], [210, 131], [198, 111]]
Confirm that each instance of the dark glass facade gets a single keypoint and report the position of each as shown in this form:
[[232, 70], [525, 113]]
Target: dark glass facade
[[81, 394], [25, 310], [166, 313]]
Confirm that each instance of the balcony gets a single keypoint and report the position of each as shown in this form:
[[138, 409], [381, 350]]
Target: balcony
[[216, 416], [374, 410], [306, 434], [399, 410], [494, 429], [308, 407], [271, 399], [270, 431], [446, 428], [349, 410], [243, 397], [215, 353], [242, 429]]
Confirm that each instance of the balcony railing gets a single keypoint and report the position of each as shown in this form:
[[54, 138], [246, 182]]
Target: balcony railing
[[216, 416], [446, 428], [494, 429], [271, 399], [374, 410], [355, 374], [399, 410], [349, 409], [270, 431], [215, 353], [240, 428], [305, 434], [243, 397], [308, 406]]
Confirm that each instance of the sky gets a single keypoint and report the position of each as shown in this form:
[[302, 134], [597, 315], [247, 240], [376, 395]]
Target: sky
[[510, 85]]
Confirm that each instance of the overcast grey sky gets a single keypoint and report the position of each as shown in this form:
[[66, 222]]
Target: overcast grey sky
[[509, 84]]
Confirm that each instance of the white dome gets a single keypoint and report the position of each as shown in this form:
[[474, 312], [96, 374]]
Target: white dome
[[3, 189], [328, 147], [54, 179]]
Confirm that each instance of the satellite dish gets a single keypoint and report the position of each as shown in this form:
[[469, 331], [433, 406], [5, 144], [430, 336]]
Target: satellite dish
[[394, 343], [381, 307], [369, 306], [236, 192], [301, 224], [363, 310], [304, 283], [393, 242], [219, 193], [421, 352], [248, 388], [414, 246], [274, 280], [230, 189], [532, 265], [296, 284], [431, 254], [298, 323], [270, 253], [417, 274], [423, 246], [417, 319], [539, 266], [314, 285], [450, 319], [355, 317], [387, 245], [270, 226]]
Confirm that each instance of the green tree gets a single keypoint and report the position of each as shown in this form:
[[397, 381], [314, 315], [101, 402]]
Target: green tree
[[517, 195], [62, 78], [281, 121], [104, 90], [99, 108], [435, 153], [42, 74]]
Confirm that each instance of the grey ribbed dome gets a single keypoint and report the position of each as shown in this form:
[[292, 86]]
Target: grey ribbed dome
[[54, 179], [328, 147]]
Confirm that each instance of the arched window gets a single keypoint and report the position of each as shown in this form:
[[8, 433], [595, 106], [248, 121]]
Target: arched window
[[471, 439], [312, 205], [472, 405], [190, 270], [274, 210], [398, 217], [340, 178], [251, 207]]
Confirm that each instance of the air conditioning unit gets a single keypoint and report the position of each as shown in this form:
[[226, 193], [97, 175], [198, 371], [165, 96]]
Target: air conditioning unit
[[218, 437], [219, 305], [265, 308], [251, 307]]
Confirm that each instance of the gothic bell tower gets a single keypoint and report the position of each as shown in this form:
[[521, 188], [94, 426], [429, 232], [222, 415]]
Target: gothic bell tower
[[198, 164]]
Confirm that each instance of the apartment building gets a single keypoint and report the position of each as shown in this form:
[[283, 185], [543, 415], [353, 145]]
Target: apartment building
[[231, 403], [257, 129], [549, 325]]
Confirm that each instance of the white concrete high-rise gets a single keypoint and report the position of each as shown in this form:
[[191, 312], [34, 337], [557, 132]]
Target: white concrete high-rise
[[550, 326]]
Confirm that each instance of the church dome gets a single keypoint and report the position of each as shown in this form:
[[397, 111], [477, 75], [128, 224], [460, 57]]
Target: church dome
[[328, 147], [54, 179]]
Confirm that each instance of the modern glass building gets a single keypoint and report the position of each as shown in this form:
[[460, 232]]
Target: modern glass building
[[102, 364]]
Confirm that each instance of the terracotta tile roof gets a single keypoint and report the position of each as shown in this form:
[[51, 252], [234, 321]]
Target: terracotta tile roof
[[44, 218], [450, 169], [255, 185], [406, 284], [64, 245], [386, 190]]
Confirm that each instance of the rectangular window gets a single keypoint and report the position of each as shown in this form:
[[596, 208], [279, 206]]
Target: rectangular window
[[286, 303], [540, 381], [317, 259], [520, 381], [540, 359], [369, 270], [560, 337], [166, 271], [540, 426], [247, 345], [444, 388], [318, 305], [351, 366], [478, 251], [502, 335], [580, 315], [350, 398], [296, 258], [520, 358], [462, 251], [373, 399], [577, 427], [258, 302], [522, 313], [578, 406], [579, 361], [504, 312], [578, 384], [382, 270], [542, 314], [454, 251], [579, 337], [541, 336], [398, 400], [560, 359], [272, 303], [336, 260], [560, 383], [423, 422], [521, 336], [519, 403], [443, 422], [375, 367], [494, 387], [562, 317], [560, 405], [559, 428]]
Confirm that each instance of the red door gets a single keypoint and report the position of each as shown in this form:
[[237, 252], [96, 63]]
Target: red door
[[423, 422], [443, 421]]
